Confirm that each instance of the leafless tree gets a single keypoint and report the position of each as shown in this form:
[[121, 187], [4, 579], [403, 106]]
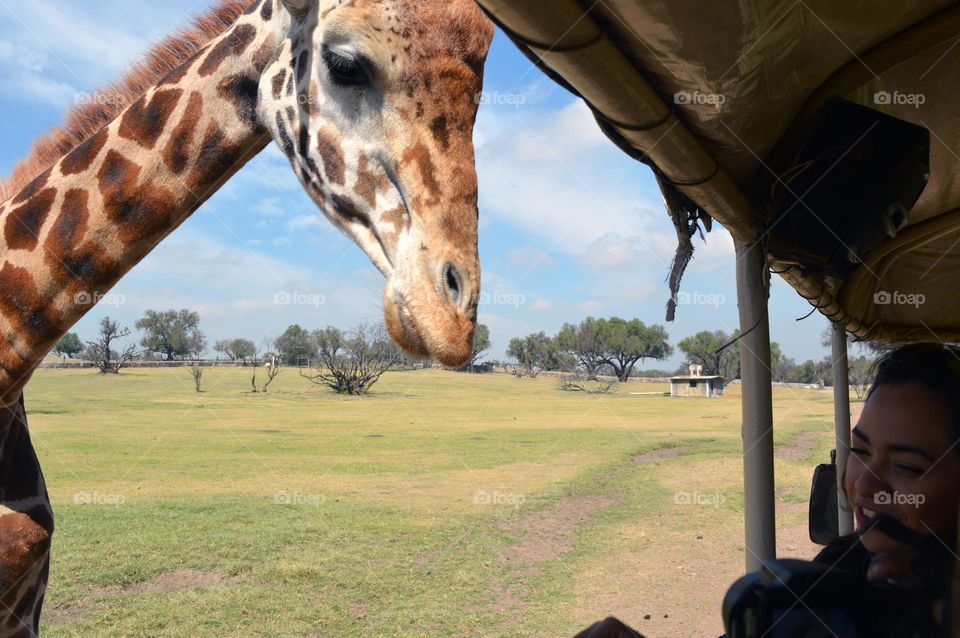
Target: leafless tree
[[274, 365], [580, 381], [197, 373], [351, 362], [107, 360]]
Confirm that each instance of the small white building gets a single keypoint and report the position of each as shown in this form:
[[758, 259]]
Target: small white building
[[696, 386]]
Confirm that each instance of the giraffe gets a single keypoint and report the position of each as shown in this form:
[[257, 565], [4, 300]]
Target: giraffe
[[372, 101]]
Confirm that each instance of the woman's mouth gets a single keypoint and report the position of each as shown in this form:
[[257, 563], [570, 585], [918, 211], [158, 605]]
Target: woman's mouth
[[863, 515]]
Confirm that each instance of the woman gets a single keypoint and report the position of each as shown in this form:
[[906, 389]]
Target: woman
[[902, 478], [904, 465]]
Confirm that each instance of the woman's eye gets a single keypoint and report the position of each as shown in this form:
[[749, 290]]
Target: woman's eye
[[909, 469], [345, 70]]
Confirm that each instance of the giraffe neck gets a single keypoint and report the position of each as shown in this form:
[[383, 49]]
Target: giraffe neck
[[75, 230]]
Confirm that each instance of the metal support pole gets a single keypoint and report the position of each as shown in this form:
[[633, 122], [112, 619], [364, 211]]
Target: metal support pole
[[841, 419], [758, 480]]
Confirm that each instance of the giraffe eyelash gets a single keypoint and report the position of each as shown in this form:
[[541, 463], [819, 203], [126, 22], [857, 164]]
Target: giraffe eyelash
[[345, 70]]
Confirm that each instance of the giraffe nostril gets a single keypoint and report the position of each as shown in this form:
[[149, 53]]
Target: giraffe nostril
[[451, 279]]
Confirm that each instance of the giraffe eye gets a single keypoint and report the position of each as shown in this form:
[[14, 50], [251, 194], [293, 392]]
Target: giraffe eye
[[345, 70]]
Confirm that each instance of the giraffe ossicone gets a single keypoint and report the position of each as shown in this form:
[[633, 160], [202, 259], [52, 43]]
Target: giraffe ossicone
[[372, 101]]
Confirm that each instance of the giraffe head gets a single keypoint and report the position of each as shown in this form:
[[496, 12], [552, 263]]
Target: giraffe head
[[373, 102]]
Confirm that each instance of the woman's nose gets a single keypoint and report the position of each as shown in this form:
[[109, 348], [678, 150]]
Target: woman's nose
[[869, 484]]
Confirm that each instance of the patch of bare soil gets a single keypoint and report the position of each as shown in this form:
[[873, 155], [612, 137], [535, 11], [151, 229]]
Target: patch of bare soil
[[660, 454], [674, 586], [166, 583], [800, 447], [549, 534], [541, 536]]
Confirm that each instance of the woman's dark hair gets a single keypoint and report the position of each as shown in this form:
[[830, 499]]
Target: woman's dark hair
[[934, 366]]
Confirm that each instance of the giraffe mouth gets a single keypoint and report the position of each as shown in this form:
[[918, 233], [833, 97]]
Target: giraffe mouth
[[412, 336]]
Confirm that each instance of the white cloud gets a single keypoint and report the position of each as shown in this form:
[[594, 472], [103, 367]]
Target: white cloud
[[554, 175], [239, 291]]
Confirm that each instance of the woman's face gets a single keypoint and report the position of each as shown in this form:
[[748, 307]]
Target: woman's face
[[904, 463]]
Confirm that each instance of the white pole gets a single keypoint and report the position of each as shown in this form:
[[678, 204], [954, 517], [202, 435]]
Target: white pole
[[757, 405], [841, 419]]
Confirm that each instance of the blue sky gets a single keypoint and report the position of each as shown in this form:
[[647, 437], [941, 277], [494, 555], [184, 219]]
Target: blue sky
[[569, 226]]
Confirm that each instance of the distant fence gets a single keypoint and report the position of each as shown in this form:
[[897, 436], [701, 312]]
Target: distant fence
[[200, 363]]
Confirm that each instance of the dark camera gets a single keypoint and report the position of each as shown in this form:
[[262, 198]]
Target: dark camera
[[801, 599]]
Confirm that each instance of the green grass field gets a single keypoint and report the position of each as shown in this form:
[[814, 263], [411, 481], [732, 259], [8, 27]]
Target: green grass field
[[444, 504]]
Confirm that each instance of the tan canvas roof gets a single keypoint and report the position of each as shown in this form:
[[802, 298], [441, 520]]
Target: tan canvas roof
[[775, 65]]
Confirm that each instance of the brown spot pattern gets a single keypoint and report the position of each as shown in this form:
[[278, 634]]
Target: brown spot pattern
[[421, 157], [346, 207], [369, 183], [23, 224], [396, 216], [144, 121], [28, 313], [181, 71], [176, 154], [231, 45], [241, 91], [440, 132], [332, 156], [278, 83], [31, 189], [216, 160], [71, 224], [263, 55], [140, 212], [82, 157]]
